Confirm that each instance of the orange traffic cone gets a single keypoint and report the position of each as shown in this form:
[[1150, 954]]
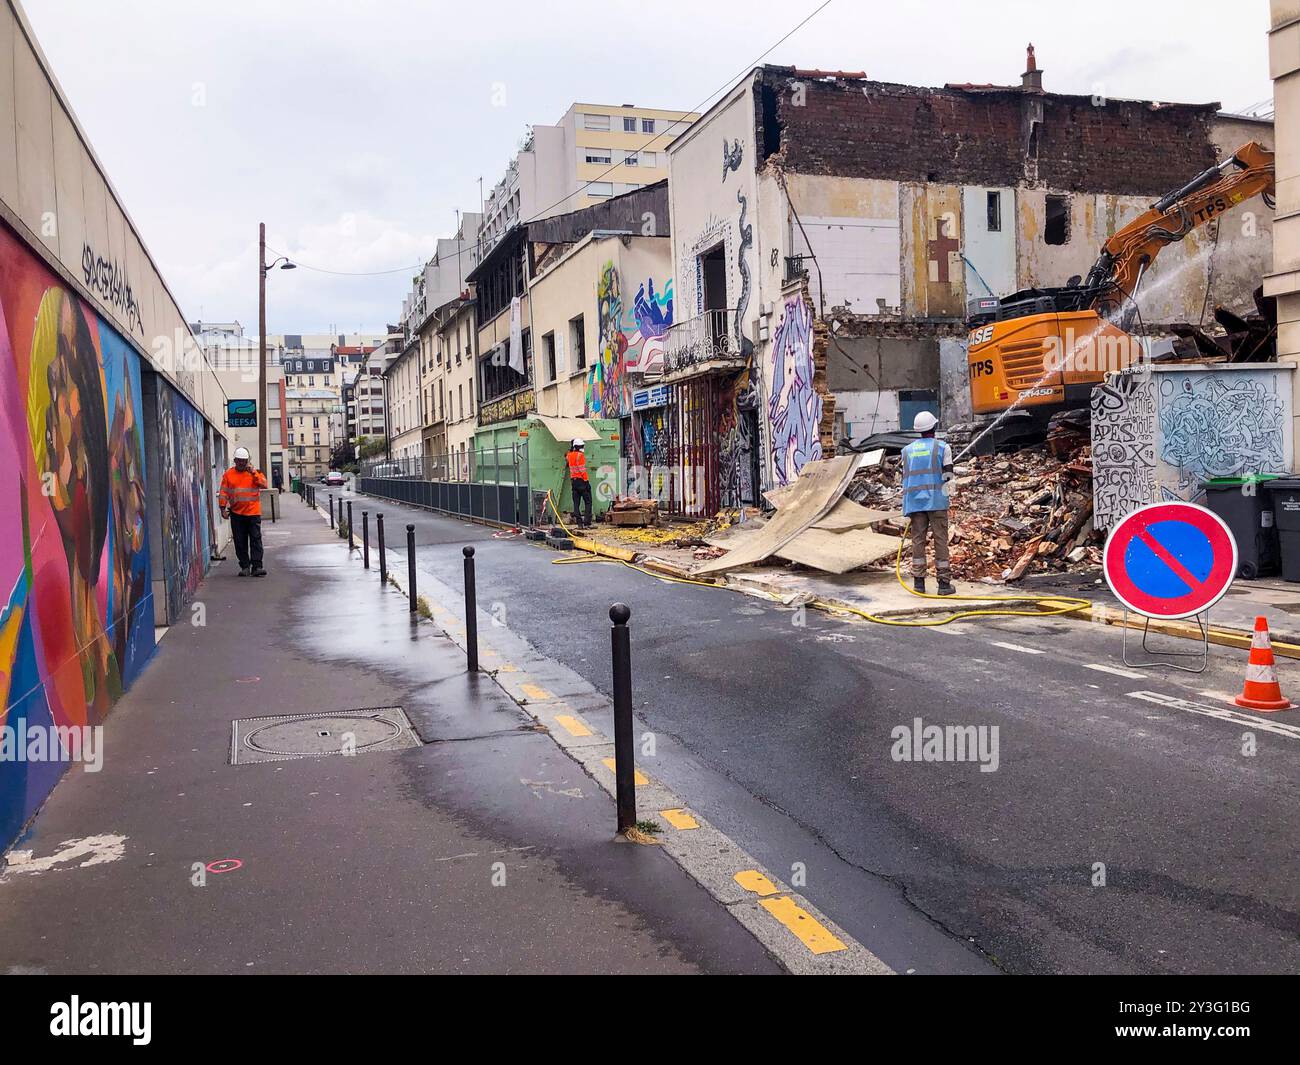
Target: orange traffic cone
[[1262, 691]]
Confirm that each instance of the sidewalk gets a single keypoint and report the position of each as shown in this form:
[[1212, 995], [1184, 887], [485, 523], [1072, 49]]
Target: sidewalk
[[479, 846]]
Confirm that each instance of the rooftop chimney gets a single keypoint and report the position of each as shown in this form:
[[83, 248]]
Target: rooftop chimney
[[1032, 79]]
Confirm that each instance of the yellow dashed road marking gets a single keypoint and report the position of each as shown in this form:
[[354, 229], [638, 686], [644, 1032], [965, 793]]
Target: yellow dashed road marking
[[639, 778], [810, 932], [508, 667], [572, 725], [753, 880], [534, 692], [679, 819]]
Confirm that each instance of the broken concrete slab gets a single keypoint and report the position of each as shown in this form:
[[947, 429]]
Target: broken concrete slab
[[820, 486]]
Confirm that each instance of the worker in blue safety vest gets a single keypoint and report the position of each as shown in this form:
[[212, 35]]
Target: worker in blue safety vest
[[926, 464]]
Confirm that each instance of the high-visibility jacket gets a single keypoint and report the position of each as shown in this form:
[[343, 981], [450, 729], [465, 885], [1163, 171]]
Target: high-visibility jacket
[[923, 463], [241, 492], [577, 465]]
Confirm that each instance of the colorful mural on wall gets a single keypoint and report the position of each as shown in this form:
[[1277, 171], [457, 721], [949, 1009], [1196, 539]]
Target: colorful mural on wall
[[631, 341], [76, 610], [186, 541], [794, 408], [1158, 433]]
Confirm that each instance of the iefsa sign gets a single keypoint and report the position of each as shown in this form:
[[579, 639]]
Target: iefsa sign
[[241, 413], [1170, 560]]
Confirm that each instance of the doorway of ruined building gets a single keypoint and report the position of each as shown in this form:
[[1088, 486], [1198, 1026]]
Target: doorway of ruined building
[[713, 274]]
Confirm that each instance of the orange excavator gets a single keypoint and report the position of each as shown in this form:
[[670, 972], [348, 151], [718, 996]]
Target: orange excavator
[[1041, 350]]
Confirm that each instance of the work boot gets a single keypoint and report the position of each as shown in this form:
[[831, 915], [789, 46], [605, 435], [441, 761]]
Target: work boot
[[918, 584], [244, 571], [945, 587], [258, 571]]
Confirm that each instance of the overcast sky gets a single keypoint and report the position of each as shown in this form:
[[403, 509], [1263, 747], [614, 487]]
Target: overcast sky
[[356, 129]]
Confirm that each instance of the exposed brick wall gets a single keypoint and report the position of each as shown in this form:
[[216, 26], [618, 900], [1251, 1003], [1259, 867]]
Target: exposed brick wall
[[874, 129]]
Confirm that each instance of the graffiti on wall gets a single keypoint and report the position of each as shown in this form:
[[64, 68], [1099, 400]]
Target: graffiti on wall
[[76, 610], [1159, 436], [1222, 425], [631, 340], [185, 539], [794, 407], [107, 280], [1123, 446]]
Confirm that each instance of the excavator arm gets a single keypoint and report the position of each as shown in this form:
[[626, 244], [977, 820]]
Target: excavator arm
[[1125, 258]]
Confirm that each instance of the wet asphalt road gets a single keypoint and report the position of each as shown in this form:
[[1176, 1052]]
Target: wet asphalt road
[[1116, 835]]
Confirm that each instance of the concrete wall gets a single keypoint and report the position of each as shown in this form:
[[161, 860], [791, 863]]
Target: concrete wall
[[1158, 434]]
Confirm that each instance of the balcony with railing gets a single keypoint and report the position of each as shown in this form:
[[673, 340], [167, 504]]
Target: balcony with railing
[[704, 344]]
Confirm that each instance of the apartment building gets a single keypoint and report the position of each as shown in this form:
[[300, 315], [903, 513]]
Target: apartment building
[[313, 413], [594, 152], [454, 384]]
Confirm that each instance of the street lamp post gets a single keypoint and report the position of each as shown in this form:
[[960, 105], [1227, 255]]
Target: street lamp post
[[263, 414]]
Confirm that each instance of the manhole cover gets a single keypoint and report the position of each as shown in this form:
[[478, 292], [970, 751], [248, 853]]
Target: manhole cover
[[345, 732]]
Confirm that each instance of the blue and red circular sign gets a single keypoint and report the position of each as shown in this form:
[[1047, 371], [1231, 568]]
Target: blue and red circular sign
[[1170, 560]]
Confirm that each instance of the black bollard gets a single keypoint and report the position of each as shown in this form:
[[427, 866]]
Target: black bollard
[[331, 510], [365, 539], [624, 764], [410, 565], [471, 611], [350, 543], [383, 559]]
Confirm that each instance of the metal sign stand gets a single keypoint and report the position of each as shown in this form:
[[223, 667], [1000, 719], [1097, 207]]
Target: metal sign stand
[[1203, 655]]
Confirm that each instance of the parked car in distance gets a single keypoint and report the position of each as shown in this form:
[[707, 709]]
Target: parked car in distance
[[335, 478]]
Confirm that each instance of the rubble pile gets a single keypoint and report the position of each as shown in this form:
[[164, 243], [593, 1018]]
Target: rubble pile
[[1011, 514]]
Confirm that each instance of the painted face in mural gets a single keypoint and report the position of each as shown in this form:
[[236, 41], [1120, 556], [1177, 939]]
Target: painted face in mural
[[69, 438], [69, 434], [129, 577]]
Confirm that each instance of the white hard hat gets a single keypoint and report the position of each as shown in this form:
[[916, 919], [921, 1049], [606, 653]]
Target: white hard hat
[[241, 453], [577, 442], [924, 422]]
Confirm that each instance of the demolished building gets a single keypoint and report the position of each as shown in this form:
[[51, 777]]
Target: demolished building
[[829, 231]]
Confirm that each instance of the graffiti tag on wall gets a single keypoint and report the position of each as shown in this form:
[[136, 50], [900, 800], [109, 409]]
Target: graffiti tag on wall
[[794, 407], [1222, 425], [107, 279], [1123, 447]]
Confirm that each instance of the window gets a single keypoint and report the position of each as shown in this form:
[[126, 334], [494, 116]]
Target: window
[[460, 398], [311, 380], [600, 188], [315, 438], [1057, 229], [548, 353], [595, 121], [291, 439], [631, 159], [578, 342], [315, 423], [647, 125], [600, 158], [629, 125], [995, 212]]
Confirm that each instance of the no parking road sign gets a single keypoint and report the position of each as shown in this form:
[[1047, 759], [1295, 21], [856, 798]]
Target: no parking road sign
[[1170, 560]]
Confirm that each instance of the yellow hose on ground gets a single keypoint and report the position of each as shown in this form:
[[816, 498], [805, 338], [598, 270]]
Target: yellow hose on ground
[[1060, 604]]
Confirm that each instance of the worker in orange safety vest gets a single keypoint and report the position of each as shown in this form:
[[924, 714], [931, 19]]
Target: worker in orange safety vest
[[240, 499], [575, 464]]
